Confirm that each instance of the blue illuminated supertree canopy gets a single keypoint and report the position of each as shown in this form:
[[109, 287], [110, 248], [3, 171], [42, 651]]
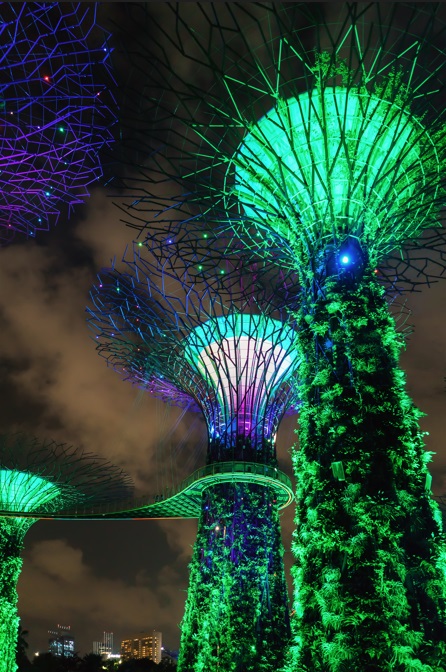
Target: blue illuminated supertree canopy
[[187, 322], [205, 327], [55, 109]]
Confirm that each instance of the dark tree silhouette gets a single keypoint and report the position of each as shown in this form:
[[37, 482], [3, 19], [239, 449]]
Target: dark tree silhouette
[[22, 660], [141, 665], [92, 662]]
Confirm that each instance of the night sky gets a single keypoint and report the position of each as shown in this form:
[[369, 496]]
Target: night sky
[[127, 576]]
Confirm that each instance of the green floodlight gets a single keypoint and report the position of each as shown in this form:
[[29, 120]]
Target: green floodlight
[[22, 491], [337, 162]]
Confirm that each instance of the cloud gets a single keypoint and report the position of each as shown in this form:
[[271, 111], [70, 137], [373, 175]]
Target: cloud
[[59, 585], [56, 560], [51, 358], [180, 538], [425, 365]]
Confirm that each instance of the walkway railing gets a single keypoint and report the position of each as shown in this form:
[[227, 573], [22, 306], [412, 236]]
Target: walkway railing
[[182, 501]]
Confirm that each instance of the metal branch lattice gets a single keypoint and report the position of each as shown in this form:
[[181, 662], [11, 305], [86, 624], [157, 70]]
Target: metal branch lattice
[[55, 110], [44, 476], [244, 132], [180, 326]]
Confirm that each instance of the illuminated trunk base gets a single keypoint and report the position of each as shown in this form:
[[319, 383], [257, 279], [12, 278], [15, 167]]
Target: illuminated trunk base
[[236, 617], [12, 532], [370, 570]]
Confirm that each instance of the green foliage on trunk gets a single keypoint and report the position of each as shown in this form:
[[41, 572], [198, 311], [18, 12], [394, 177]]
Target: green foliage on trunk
[[370, 573], [12, 532], [236, 616]]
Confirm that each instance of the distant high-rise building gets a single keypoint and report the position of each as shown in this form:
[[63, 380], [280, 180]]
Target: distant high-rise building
[[106, 646], [170, 655], [61, 644], [143, 645]]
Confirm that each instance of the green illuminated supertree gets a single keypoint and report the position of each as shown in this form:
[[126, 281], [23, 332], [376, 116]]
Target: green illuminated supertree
[[187, 324], [37, 478], [322, 143]]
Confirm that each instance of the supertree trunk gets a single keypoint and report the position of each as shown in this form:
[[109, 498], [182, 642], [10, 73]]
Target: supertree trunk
[[219, 343], [236, 617], [370, 571], [12, 532]]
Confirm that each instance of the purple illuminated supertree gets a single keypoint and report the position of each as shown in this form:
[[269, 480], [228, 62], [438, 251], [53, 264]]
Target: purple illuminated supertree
[[54, 111], [195, 326], [39, 478]]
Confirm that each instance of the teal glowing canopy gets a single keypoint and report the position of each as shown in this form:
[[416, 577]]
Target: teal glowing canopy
[[23, 491], [338, 162], [245, 359], [243, 349]]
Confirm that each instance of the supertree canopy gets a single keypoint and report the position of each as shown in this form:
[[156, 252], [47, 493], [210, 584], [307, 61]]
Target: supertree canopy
[[375, 183], [55, 108], [216, 335], [320, 141], [38, 477], [245, 135]]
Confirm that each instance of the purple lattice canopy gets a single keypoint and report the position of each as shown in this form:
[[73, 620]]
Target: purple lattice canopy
[[54, 111], [228, 350]]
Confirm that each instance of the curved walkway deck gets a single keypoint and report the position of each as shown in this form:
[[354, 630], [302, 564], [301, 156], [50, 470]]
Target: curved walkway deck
[[183, 501]]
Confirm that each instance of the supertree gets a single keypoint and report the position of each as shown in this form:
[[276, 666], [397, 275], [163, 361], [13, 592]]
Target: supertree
[[55, 110], [321, 142], [37, 478], [188, 325]]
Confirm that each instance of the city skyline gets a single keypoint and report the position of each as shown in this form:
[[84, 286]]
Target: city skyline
[[145, 642]]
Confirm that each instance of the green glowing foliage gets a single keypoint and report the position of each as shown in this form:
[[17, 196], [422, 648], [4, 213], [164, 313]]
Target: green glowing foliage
[[236, 616], [336, 162], [351, 152], [370, 574], [12, 532], [19, 491]]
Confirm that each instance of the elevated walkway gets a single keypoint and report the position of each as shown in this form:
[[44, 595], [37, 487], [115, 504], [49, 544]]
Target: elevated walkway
[[183, 501]]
